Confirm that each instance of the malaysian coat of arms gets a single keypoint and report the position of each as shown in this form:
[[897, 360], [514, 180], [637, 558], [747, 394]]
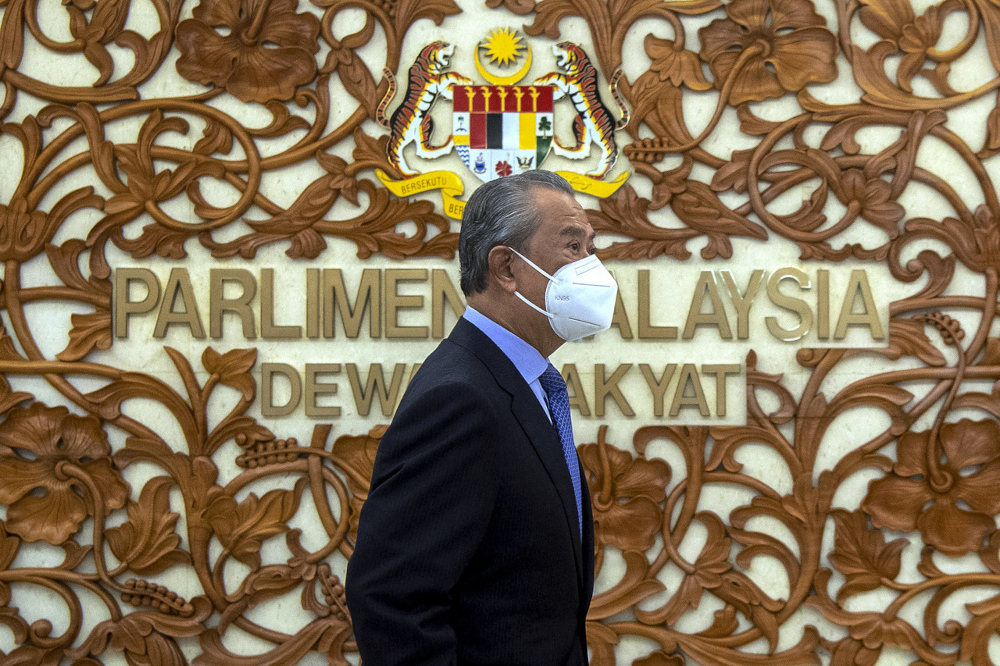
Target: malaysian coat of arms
[[501, 127]]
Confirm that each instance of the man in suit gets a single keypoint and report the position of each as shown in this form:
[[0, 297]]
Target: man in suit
[[475, 545]]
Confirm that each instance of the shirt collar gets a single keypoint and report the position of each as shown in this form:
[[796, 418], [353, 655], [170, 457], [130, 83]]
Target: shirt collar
[[525, 358]]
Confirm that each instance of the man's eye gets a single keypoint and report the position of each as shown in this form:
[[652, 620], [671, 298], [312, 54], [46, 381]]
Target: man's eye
[[574, 246]]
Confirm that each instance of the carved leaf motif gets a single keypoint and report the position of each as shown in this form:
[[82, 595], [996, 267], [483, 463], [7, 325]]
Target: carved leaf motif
[[9, 399], [340, 181], [700, 209], [242, 528], [710, 567], [356, 77], [370, 153], [626, 214], [9, 545], [147, 543], [548, 14], [233, 368], [992, 352], [519, 7], [908, 338], [216, 138], [270, 581], [147, 637], [862, 555], [660, 658], [733, 175], [680, 67], [89, 331], [976, 637], [410, 11]]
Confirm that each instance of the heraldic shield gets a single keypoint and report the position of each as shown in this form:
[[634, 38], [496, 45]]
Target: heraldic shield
[[502, 130]]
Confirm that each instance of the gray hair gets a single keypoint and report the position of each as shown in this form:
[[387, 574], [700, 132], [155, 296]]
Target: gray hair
[[500, 212]]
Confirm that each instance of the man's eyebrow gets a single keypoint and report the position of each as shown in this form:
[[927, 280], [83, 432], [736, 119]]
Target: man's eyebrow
[[577, 232]]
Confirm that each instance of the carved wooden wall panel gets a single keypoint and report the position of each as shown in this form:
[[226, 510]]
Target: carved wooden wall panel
[[153, 515]]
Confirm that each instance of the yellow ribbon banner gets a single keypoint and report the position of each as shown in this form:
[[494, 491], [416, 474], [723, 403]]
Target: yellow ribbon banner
[[451, 187], [595, 188], [450, 184]]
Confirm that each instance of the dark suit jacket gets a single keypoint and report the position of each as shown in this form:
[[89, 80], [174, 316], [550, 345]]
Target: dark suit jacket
[[468, 548]]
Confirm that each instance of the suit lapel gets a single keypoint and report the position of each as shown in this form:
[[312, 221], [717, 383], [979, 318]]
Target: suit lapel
[[536, 425]]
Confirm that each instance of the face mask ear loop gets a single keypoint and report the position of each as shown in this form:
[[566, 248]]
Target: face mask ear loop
[[547, 314], [532, 264]]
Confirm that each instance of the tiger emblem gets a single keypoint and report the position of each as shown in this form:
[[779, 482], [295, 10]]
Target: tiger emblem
[[594, 122], [411, 122]]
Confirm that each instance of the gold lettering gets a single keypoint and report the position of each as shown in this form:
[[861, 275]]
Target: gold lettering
[[312, 303], [179, 283], [315, 388], [689, 376], [268, 329], [368, 300], [124, 307], [790, 303], [376, 386], [742, 300], [848, 317], [604, 387], [646, 330], [720, 370], [218, 303], [658, 388], [717, 317], [267, 372], [394, 302]]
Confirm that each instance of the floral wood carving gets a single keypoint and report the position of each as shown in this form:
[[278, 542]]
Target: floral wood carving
[[156, 174]]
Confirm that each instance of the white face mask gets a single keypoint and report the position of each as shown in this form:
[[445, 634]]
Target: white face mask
[[580, 297]]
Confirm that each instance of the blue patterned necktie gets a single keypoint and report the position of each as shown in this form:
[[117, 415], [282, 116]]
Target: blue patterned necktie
[[555, 390]]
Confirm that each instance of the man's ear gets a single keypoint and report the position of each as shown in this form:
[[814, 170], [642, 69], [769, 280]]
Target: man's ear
[[501, 260]]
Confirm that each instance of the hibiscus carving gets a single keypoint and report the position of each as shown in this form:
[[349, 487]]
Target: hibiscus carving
[[780, 45], [913, 496], [355, 455], [57, 469], [626, 493], [258, 50]]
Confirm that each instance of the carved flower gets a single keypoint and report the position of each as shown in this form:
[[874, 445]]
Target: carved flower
[[356, 456], [873, 197], [792, 48], [908, 498], [53, 463], [626, 495], [259, 50], [894, 21]]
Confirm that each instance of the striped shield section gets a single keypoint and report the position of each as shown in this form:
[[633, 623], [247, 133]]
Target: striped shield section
[[502, 130]]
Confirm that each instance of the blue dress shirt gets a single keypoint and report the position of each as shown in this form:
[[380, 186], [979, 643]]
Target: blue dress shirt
[[525, 358]]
